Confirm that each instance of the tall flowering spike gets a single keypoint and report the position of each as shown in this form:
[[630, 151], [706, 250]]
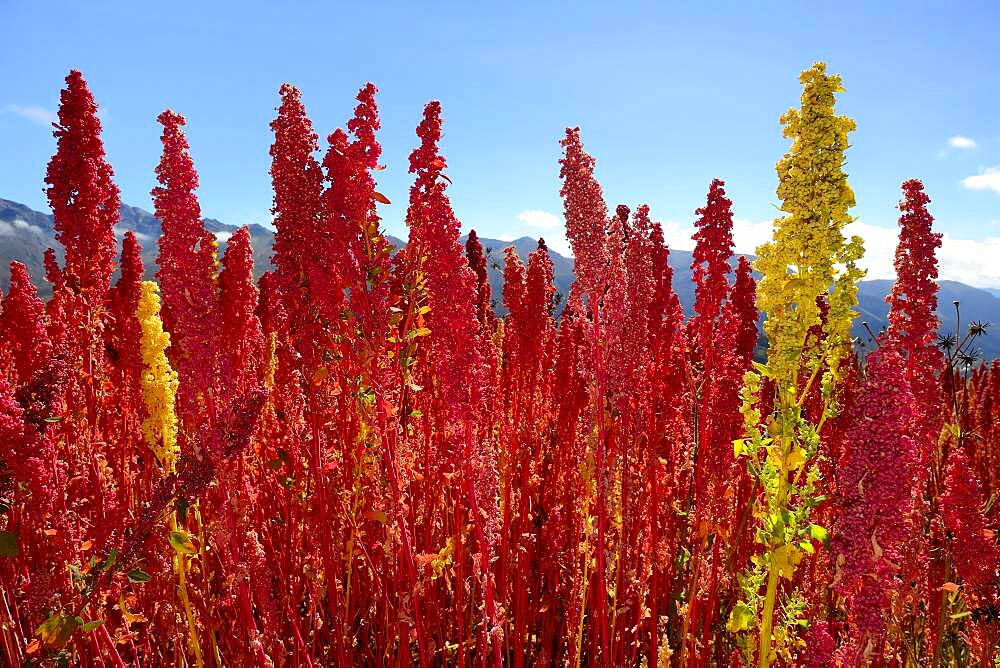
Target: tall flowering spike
[[514, 286], [913, 300], [913, 322], [484, 297], [336, 239], [55, 309], [639, 264], [620, 364], [125, 294], [720, 421], [874, 509], [243, 338], [455, 350], [22, 327], [800, 264], [974, 550], [801, 277], [127, 332], [539, 294], [586, 216], [159, 381], [84, 200], [188, 267], [351, 222], [710, 266], [298, 185], [434, 233], [742, 304], [365, 150]]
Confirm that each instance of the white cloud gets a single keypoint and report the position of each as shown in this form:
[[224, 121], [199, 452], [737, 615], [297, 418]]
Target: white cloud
[[969, 261], [33, 113], [140, 236], [987, 179], [748, 236], [223, 236], [542, 219], [559, 244], [25, 225], [880, 248], [555, 239], [9, 229], [959, 141], [676, 235]]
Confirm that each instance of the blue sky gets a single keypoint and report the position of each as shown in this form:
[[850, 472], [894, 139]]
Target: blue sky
[[668, 95]]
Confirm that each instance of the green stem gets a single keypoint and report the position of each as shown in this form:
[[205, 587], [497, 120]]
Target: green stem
[[768, 614]]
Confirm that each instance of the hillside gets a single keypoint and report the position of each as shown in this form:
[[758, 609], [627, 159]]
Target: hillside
[[25, 234]]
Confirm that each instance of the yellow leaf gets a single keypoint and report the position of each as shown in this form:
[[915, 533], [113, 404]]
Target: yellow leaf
[[796, 458], [738, 447], [785, 559], [127, 615]]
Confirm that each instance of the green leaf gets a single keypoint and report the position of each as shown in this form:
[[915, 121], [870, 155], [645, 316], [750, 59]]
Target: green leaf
[[55, 631], [9, 544], [819, 533], [90, 626], [181, 542], [741, 618], [138, 575], [111, 560]]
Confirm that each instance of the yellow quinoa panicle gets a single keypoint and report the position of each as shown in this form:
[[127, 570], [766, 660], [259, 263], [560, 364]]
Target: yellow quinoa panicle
[[159, 381]]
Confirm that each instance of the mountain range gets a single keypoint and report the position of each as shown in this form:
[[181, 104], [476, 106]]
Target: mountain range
[[26, 233]]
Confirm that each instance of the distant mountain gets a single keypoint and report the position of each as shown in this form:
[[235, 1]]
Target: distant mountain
[[975, 304], [25, 234]]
